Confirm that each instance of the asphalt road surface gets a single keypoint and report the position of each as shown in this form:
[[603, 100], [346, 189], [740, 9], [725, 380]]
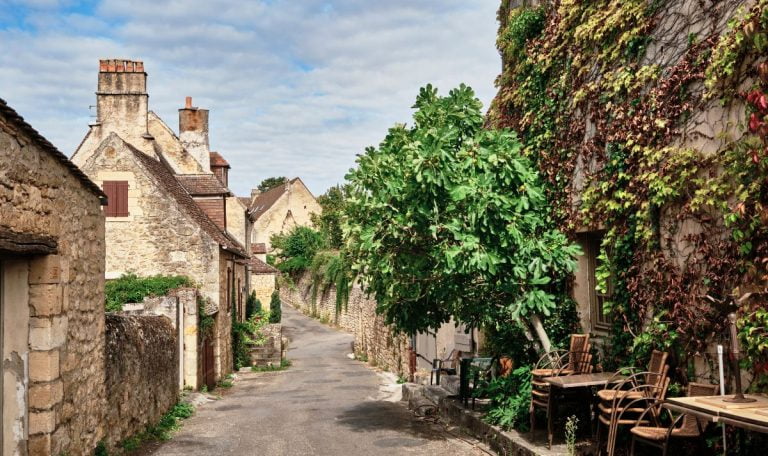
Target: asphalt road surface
[[325, 404]]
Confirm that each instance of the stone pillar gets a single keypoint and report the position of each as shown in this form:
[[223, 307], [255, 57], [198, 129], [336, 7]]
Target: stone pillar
[[48, 326]]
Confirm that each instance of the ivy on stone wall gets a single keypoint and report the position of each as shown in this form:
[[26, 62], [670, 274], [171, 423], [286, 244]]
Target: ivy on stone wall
[[619, 105]]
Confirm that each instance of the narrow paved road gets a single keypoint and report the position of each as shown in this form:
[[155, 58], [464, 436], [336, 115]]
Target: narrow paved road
[[325, 404]]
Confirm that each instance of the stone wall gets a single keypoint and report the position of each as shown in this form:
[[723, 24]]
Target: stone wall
[[373, 339], [56, 300], [158, 237], [141, 374], [263, 285]]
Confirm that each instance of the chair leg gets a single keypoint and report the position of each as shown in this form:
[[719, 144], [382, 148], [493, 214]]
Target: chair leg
[[632, 447], [532, 412], [598, 437]]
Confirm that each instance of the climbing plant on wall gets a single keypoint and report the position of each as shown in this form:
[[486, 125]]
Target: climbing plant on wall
[[647, 120]]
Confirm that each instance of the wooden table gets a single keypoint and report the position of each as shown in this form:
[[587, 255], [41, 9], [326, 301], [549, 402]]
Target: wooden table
[[560, 384], [752, 416]]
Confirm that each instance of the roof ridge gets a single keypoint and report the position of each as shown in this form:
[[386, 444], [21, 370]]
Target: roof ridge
[[46, 145]]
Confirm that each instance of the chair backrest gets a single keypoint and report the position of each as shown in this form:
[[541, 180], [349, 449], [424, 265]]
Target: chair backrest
[[690, 422], [657, 368], [578, 353]]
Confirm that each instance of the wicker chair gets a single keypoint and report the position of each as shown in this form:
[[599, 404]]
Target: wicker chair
[[578, 360], [653, 375], [683, 427], [629, 405]]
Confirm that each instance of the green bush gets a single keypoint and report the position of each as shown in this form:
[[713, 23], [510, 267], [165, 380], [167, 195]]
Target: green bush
[[296, 248], [252, 305], [275, 309], [246, 334], [131, 288], [510, 399]]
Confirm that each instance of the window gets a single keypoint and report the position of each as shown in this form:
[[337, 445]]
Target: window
[[598, 318], [117, 198]]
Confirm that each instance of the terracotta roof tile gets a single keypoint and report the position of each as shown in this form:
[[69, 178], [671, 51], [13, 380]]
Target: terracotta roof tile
[[202, 184], [218, 160], [260, 267], [245, 200], [13, 117], [259, 247], [165, 177], [265, 200]]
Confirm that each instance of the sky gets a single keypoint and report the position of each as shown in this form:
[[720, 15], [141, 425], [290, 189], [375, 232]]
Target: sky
[[294, 87]]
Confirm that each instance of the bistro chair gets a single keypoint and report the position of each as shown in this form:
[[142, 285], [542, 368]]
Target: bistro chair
[[631, 397], [439, 366], [683, 427], [657, 368], [553, 364]]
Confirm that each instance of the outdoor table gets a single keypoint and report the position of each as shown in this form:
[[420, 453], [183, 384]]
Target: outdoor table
[[560, 384], [752, 416]]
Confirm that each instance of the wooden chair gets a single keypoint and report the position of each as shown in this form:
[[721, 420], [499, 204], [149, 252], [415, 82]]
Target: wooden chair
[[629, 405], [682, 427], [653, 375]]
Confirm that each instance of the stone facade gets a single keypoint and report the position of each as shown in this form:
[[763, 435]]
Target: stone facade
[[280, 209], [142, 370], [52, 297], [164, 230], [263, 284]]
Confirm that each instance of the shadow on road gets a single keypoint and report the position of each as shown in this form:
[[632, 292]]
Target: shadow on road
[[377, 416]]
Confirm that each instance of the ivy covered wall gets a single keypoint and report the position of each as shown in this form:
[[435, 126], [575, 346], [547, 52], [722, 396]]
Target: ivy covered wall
[[647, 119]]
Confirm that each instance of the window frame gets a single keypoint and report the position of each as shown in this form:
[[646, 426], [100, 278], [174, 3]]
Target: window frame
[[598, 320]]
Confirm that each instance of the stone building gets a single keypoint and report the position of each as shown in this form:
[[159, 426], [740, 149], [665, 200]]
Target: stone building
[[280, 209], [51, 297], [167, 211], [263, 278]]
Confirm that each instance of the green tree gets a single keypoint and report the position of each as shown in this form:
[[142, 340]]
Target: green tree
[[295, 249], [275, 308], [329, 221], [446, 218], [271, 182]]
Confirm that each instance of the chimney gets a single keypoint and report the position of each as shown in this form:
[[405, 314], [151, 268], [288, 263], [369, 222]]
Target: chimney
[[122, 99], [193, 133]]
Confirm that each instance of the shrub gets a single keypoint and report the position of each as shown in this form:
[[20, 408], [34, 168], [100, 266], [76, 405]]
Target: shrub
[[275, 310], [252, 305], [296, 248], [131, 288], [510, 399]]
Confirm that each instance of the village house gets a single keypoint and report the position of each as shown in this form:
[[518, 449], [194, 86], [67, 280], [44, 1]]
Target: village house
[[51, 297], [168, 212], [280, 209]]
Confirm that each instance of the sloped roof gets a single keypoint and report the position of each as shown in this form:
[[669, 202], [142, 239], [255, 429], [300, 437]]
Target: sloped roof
[[174, 188], [260, 267], [245, 200], [202, 185], [218, 160], [265, 200], [19, 122]]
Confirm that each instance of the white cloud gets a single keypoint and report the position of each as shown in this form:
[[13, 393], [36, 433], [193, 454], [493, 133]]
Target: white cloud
[[294, 87]]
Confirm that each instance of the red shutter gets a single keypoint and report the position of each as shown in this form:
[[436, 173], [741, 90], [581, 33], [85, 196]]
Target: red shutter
[[117, 198]]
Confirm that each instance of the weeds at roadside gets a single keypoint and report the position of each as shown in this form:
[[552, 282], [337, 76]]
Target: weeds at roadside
[[284, 364], [162, 431]]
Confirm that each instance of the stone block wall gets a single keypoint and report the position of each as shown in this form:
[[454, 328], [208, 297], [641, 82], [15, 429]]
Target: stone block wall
[[373, 338], [58, 298], [141, 374], [263, 285]]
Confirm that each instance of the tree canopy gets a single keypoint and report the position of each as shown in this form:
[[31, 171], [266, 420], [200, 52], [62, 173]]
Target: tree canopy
[[271, 182], [446, 218]]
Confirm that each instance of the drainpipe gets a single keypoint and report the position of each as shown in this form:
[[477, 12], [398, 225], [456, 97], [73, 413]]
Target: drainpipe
[[180, 335]]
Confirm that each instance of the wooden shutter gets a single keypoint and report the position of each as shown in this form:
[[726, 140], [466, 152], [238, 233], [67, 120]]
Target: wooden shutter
[[117, 198]]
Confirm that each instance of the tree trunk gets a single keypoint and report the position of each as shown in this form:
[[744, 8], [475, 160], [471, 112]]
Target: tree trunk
[[538, 327]]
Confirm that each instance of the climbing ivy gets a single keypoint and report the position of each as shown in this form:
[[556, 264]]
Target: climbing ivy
[[611, 102]]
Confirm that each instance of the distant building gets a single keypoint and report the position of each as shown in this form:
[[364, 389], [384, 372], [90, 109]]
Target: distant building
[[168, 211], [280, 209]]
